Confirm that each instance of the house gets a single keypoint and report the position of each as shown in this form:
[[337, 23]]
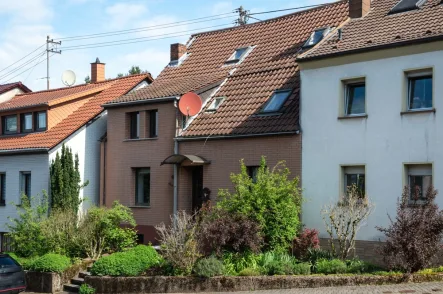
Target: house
[[158, 161], [371, 110], [35, 125], [7, 91]]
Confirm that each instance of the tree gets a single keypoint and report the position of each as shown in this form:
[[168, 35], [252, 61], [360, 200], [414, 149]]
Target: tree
[[134, 70], [344, 218], [65, 181], [413, 238], [273, 200], [87, 79]]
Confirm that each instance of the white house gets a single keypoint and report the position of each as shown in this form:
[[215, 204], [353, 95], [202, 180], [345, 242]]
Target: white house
[[34, 126], [372, 109], [7, 91]]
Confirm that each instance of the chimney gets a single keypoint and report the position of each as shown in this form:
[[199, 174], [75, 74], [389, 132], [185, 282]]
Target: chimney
[[177, 51], [359, 8], [97, 71]]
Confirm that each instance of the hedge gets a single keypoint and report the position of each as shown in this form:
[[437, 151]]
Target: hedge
[[50, 262]]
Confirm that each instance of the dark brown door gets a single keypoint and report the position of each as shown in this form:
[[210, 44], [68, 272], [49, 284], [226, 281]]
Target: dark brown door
[[197, 187]]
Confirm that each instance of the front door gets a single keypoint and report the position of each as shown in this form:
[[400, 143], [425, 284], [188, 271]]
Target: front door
[[197, 187]]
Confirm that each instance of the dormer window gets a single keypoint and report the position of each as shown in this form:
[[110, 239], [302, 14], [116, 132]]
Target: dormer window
[[407, 5], [10, 124], [216, 103], [26, 122], [238, 55], [316, 37], [276, 101], [40, 121]]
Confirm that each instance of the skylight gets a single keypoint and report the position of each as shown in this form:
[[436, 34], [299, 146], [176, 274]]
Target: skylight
[[407, 5], [238, 55], [216, 104], [316, 37], [276, 101]]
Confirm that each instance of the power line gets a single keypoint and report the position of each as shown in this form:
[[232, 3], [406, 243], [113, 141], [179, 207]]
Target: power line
[[294, 8], [29, 68], [22, 58], [135, 30], [14, 70]]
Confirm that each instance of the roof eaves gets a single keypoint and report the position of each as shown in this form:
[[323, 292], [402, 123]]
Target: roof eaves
[[23, 107], [23, 150], [191, 138], [144, 101]]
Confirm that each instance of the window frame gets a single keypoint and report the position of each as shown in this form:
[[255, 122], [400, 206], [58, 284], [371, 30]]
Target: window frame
[[420, 169], [153, 123], [25, 183], [139, 171], [325, 30], [350, 169], [2, 188], [413, 76], [263, 111], [348, 85], [251, 169], [37, 127], [233, 60], [213, 107], [4, 124], [134, 125], [23, 124]]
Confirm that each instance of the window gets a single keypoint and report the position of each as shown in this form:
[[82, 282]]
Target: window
[[25, 183], [143, 186], [276, 101], [215, 104], [26, 122], [419, 180], [419, 91], [355, 98], [316, 37], [10, 124], [40, 121], [2, 189], [238, 55], [134, 125], [140, 239], [406, 5], [354, 175], [253, 172], [153, 123], [184, 121]]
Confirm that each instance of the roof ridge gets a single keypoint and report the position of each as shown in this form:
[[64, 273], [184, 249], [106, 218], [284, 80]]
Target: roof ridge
[[273, 19]]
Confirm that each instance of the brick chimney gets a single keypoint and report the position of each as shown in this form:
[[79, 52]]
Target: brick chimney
[[97, 71], [359, 8], [177, 51]]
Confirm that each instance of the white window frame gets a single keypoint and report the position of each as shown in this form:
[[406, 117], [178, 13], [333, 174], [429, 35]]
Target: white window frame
[[419, 169], [22, 190], [326, 31], [422, 74], [138, 184], [231, 60], [213, 107]]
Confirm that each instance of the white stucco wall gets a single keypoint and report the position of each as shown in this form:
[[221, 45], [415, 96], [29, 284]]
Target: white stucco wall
[[383, 142], [8, 95], [85, 143], [12, 165]]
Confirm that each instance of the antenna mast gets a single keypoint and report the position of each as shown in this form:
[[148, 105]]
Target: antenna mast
[[243, 16], [50, 41]]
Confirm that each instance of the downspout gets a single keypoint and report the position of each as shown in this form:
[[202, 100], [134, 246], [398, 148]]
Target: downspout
[[175, 196]]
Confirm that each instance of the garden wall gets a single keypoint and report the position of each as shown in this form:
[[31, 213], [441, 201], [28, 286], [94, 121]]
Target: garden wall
[[160, 284]]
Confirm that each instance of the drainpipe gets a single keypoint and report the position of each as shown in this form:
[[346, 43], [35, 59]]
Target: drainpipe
[[175, 197]]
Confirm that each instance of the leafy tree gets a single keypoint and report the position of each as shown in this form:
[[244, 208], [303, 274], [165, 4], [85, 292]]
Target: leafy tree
[[414, 236], [134, 70], [87, 79], [273, 201], [65, 181]]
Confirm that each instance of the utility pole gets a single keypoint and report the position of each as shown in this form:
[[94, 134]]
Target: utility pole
[[243, 16], [50, 41]]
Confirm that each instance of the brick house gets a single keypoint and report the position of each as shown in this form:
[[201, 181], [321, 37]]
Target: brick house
[[34, 126], [157, 161]]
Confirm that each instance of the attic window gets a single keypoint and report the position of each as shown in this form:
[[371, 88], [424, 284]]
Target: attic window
[[215, 104], [316, 37], [238, 55], [276, 101], [407, 5]]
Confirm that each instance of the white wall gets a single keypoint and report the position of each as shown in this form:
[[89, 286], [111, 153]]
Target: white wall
[[383, 141], [12, 165], [85, 143], [10, 94]]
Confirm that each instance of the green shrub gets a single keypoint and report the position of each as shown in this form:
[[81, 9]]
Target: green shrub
[[438, 269], [50, 262], [328, 267], [248, 272], [234, 263], [86, 289], [302, 269], [275, 263], [356, 266], [209, 267], [129, 263], [23, 261]]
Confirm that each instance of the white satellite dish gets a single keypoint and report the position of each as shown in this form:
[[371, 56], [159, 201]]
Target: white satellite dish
[[68, 78]]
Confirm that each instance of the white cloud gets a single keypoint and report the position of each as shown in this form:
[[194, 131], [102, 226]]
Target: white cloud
[[123, 14], [27, 10]]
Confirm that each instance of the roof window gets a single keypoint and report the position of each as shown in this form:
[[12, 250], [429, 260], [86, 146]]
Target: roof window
[[175, 63], [316, 37], [238, 55], [276, 101], [407, 5], [215, 104]]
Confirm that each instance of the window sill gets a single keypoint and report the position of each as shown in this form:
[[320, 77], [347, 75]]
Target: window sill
[[428, 110], [140, 206], [268, 113], [353, 116], [140, 139]]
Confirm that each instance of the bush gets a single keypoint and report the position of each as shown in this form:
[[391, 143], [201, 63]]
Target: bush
[[235, 263], [23, 261], [413, 238], [273, 201], [220, 231], [51, 262], [315, 254], [130, 263], [308, 239], [249, 272], [209, 267], [302, 269], [275, 263], [356, 266], [178, 243], [328, 267], [86, 289]]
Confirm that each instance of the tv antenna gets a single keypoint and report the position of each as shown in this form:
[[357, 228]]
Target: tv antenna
[[190, 104], [68, 78]]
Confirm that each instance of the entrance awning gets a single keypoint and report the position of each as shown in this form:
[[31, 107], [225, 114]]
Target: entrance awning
[[185, 160]]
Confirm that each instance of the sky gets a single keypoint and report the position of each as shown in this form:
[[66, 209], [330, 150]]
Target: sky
[[26, 23]]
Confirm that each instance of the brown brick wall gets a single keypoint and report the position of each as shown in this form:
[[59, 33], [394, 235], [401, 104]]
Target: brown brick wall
[[177, 51], [97, 72]]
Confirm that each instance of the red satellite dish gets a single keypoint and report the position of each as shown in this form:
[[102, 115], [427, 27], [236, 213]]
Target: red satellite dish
[[190, 104]]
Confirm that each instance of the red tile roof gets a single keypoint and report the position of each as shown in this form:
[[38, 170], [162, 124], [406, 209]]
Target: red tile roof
[[378, 29], [7, 87], [75, 118], [271, 65]]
